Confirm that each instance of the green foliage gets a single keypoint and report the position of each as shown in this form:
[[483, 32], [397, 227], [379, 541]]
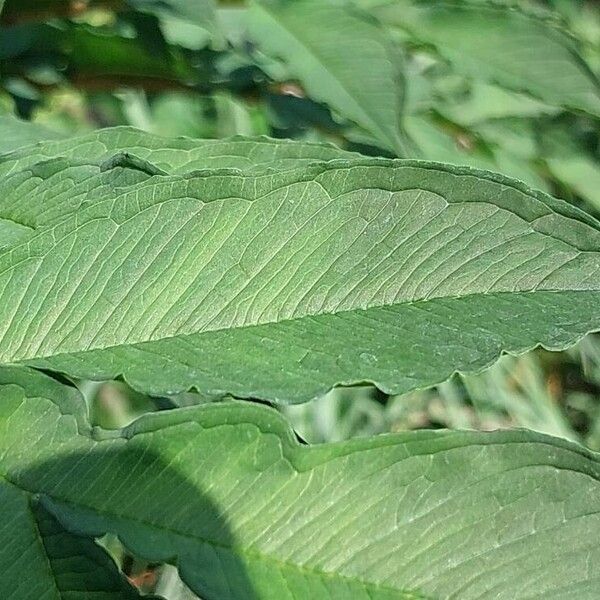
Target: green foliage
[[541, 59], [341, 276], [436, 83], [174, 156]]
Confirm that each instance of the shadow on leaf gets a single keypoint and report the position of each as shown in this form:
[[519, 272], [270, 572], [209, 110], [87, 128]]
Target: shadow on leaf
[[155, 510]]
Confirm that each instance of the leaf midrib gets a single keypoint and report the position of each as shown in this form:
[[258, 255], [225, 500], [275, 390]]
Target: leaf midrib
[[374, 305], [274, 426], [419, 302]]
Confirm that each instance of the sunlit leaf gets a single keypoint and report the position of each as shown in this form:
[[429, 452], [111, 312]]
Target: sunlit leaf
[[280, 284]]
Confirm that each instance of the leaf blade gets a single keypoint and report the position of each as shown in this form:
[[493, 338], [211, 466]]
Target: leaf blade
[[176, 155], [39, 558], [229, 542]]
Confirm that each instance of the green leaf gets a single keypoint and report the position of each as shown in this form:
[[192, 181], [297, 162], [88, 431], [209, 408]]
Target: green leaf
[[186, 23], [436, 144], [91, 57], [508, 146], [226, 493], [282, 285], [11, 232], [325, 46], [77, 568], [499, 44], [487, 101], [566, 153], [580, 173]]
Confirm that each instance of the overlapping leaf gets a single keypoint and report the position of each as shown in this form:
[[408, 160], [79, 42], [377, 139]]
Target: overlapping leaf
[[412, 516], [175, 155], [282, 285]]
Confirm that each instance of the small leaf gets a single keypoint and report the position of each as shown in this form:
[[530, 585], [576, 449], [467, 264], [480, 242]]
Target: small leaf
[[341, 57]]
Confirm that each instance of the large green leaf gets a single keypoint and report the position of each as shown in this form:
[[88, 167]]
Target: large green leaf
[[341, 58], [226, 493], [282, 285], [500, 44]]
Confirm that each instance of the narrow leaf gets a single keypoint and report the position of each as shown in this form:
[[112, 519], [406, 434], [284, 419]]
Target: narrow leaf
[[341, 58]]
